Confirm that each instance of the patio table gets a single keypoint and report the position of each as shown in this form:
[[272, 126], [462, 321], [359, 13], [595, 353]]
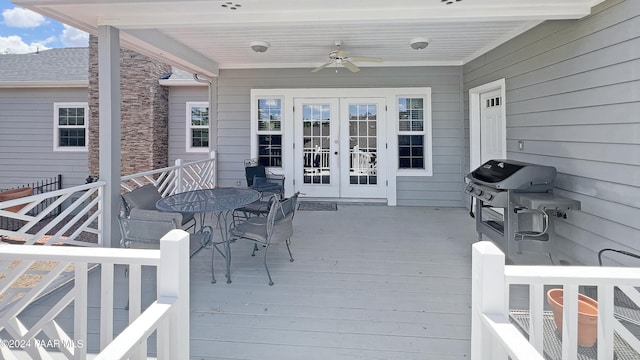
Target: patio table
[[220, 202]]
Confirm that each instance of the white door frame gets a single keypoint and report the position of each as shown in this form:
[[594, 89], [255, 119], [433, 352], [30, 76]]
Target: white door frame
[[391, 144], [474, 119]]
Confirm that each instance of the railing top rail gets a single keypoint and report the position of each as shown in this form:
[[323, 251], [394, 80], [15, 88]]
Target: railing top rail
[[81, 254], [125, 344], [157, 171], [55, 192], [572, 275]]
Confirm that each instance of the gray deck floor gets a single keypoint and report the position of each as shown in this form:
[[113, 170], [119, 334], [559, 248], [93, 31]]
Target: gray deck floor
[[368, 282]]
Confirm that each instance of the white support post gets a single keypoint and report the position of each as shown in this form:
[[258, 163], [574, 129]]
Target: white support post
[[487, 297], [109, 108], [178, 188], [173, 283], [214, 173], [213, 114]]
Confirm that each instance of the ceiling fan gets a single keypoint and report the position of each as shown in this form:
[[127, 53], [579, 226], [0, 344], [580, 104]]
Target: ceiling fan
[[342, 57]]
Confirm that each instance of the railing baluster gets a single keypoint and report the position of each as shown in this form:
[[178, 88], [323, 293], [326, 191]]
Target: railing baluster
[[536, 304], [605, 321], [80, 304], [570, 322], [106, 304], [135, 289]]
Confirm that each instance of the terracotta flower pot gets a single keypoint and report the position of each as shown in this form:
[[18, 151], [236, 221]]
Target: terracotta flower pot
[[15, 194], [587, 316]]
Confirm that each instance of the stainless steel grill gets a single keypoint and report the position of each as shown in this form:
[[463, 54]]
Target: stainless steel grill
[[515, 203]]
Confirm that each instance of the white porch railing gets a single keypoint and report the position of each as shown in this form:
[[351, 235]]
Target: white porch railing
[[79, 223], [494, 337], [29, 272], [178, 178], [168, 316]]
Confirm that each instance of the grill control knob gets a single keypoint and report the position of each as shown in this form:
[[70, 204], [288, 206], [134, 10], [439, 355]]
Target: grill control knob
[[488, 196], [478, 192], [469, 188]]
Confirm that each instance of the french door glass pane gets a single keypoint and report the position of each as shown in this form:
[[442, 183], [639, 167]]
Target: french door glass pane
[[363, 144], [316, 138]]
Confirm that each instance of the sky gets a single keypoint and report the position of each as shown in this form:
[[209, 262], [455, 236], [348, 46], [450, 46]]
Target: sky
[[23, 31]]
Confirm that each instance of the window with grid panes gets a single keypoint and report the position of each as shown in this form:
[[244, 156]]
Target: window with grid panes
[[269, 132], [411, 133], [197, 126], [71, 126]]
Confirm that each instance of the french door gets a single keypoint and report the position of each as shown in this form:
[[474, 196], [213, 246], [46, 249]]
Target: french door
[[340, 147]]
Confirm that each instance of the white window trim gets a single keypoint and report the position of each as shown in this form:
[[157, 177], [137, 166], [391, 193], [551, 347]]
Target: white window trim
[[254, 125], [427, 132], [189, 127], [390, 94], [57, 127]]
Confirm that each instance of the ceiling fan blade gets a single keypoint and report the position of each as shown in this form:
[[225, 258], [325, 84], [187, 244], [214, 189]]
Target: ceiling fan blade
[[321, 67], [365, 59], [349, 65]]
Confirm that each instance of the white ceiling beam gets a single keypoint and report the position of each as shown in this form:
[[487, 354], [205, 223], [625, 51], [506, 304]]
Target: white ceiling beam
[[157, 45], [486, 13]]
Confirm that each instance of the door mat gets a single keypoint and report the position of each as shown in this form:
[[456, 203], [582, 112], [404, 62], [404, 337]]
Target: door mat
[[317, 206]]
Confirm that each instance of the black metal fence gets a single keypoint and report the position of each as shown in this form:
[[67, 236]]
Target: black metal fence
[[39, 187]]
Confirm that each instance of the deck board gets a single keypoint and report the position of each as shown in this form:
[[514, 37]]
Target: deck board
[[368, 282]]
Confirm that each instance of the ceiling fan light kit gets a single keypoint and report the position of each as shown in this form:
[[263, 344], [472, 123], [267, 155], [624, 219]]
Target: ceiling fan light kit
[[419, 43], [342, 57], [259, 46]]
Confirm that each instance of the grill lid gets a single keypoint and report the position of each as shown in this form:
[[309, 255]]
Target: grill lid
[[514, 175], [494, 171]]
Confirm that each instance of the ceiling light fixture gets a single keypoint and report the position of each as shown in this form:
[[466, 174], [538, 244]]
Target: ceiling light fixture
[[419, 43], [231, 5], [259, 46]]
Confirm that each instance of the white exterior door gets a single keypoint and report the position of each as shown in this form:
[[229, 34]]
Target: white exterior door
[[340, 147], [363, 142], [492, 136], [317, 125]]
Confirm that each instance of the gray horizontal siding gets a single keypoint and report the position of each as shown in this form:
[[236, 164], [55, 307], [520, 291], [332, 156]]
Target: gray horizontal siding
[[572, 97], [178, 98], [234, 88], [26, 138]]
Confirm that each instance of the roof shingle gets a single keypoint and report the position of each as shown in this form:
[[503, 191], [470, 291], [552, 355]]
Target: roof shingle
[[53, 65]]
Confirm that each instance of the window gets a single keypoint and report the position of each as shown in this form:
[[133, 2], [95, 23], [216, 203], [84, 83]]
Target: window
[[71, 126], [197, 127], [269, 132], [413, 150]]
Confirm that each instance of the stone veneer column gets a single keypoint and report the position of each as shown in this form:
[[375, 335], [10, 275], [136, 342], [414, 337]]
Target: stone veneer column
[[145, 112]]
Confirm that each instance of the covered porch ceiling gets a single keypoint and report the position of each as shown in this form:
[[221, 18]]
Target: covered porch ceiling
[[203, 36]]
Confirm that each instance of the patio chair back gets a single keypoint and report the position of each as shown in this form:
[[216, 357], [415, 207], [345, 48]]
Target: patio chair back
[[252, 172], [145, 198], [142, 229]]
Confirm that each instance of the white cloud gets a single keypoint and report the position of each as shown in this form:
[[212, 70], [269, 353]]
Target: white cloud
[[72, 37], [22, 18], [14, 45]]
